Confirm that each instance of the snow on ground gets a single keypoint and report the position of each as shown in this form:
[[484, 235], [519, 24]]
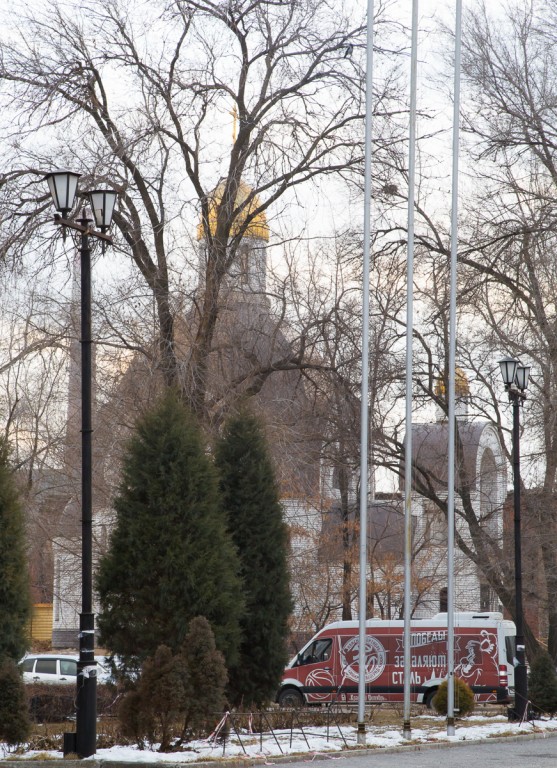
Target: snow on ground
[[315, 740]]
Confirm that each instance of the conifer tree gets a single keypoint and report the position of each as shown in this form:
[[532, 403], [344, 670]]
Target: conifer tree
[[542, 684], [170, 556], [15, 601], [251, 499]]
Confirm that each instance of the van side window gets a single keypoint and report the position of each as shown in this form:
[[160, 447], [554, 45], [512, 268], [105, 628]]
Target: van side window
[[319, 650]]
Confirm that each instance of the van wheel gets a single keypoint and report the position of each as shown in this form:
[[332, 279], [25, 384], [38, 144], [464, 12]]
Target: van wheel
[[428, 698], [290, 698]]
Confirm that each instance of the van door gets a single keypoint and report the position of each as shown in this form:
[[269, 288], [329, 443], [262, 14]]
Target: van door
[[316, 670]]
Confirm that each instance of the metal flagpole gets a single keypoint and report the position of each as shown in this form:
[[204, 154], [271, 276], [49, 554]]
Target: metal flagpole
[[364, 421], [452, 370], [409, 349]]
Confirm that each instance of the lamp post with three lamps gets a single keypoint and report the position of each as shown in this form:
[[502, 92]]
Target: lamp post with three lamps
[[515, 378], [63, 188]]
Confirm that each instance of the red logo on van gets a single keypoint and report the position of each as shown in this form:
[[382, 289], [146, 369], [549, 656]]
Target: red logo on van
[[375, 661]]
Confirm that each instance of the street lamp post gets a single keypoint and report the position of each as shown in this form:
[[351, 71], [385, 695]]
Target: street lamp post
[[63, 188], [515, 377]]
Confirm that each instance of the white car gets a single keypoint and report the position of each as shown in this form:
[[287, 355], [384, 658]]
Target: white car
[[52, 668]]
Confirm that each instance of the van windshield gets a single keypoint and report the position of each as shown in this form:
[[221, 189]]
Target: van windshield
[[319, 650]]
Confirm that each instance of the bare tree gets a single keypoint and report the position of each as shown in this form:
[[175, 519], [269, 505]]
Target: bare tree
[[149, 102], [510, 234]]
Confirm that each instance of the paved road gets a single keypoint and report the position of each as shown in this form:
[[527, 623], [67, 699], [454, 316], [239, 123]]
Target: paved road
[[524, 752]]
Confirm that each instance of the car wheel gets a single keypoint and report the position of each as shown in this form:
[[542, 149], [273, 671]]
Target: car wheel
[[290, 698]]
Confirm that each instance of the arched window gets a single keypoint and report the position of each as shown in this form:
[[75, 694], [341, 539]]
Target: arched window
[[244, 264], [443, 600], [488, 490], [485, 597]]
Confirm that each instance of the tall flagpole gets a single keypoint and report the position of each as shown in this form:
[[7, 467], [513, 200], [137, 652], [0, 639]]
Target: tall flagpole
[[451, 372], [409, 348], [364, 420]]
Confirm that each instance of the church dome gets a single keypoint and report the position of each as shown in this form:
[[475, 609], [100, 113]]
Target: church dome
[[461, 385], [258, 226]]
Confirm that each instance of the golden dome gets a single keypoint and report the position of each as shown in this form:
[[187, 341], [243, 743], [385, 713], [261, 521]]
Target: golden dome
[[258, 226], [461, 386]]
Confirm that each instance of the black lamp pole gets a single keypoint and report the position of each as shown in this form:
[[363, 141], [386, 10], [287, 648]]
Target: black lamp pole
[[86, 722], [63, 186], [515, 378]]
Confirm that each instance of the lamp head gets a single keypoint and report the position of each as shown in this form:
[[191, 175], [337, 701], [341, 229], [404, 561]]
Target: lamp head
[[508, 367], [521, 377], [102, 202], [63, 188]]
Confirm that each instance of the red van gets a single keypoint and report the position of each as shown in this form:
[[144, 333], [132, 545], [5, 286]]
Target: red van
[[327, 668]]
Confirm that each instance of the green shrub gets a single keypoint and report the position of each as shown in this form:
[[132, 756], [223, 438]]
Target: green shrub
[[205, 676], [151, 711], [463, 698], [135, 722], [14, 719], [542, 684], [176, 693]]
